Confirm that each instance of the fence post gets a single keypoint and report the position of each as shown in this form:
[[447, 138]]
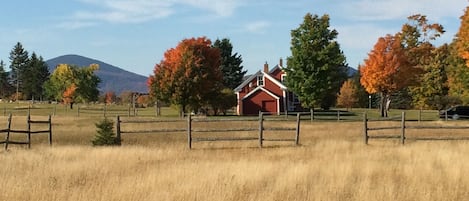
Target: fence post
[[189, 130], [78, 111], [312, 113], [50, 130], [55, 110], [403, 128], [338, 115], [261, 129], [118, 130], [365, 127], [420, 115], [29, 130], [7, 137], [297, 136], [446, 115]]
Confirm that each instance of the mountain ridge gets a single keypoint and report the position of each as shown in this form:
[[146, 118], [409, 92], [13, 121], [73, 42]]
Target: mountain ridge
[[112, 77]]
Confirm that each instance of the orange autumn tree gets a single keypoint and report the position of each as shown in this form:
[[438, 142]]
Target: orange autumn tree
[[462, 40], [386, 70], [188, 76], [109, 97], [69, 95]]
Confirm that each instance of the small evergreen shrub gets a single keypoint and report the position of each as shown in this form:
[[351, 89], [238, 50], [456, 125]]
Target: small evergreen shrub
[[105, 134]]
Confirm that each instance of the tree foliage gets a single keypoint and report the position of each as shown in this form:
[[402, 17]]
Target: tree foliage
[[5, 87], [462, 37], [65, 76], [348, 95], [35, 75], [19, 59], [433, 83], [458, 78], [69, 95], [105, 134], [189, 75], [416, 37], [109, 97], [316, 69], [230, 65], [386, 70]]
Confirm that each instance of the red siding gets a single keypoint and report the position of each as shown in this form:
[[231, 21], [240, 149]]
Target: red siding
[[259, 101], [272, 87], [277, 74]]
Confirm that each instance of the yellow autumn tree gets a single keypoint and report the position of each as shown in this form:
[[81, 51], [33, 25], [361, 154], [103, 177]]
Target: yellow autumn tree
[[462, 40], [348, 95]]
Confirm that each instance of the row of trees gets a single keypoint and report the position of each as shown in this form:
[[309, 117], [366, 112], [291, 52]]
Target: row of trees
[[27, 74], [406, 66], [409, 69], [29, 79], [197, 75]]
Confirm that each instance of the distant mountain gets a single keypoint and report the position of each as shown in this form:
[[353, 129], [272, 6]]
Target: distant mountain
[[112, 78], [351, 71]]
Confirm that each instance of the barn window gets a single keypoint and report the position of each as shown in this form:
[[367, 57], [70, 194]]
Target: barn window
[[260, 80], [282, 78]]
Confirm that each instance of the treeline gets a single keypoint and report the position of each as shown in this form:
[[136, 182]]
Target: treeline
[[29, 79], [406, 70]]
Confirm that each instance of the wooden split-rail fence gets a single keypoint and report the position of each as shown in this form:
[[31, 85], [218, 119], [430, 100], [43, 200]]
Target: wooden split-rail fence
[[402, 128], [190, 129], [28, 132]]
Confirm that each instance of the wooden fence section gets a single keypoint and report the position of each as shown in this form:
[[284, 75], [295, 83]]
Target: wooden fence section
[[331, 115], [29, 110], [402, 130], [28, 131], [119, 123], [190, 129]]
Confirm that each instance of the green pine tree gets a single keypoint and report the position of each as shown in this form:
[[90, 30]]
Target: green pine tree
[[36, 73], [18, 62], [316, 69], [230, 66], [105, 134]]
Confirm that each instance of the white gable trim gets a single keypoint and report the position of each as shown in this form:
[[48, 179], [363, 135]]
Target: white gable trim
[[247, 81], [275, 81], [261, 88]]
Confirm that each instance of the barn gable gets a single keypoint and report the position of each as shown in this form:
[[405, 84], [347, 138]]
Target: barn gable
[[264, 91]]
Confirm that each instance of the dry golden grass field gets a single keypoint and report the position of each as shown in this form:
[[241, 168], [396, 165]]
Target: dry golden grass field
[[332, 163]]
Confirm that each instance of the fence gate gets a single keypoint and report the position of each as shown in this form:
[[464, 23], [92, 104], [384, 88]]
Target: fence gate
[[28, 131]]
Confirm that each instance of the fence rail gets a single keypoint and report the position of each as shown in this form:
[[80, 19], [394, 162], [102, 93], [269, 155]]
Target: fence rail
[[28, 132], [192, 128], [402, 133]]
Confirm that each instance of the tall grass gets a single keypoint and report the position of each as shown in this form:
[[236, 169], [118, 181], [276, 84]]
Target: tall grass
[[332, 163]]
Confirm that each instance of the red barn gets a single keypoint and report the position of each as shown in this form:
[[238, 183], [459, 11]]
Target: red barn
[[264, 91]]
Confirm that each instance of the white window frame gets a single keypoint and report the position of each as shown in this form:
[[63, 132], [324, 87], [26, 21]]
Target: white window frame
[[260, 80], [282, 78]]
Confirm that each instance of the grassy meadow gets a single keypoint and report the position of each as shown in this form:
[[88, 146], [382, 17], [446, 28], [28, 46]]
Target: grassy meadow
[[332, 163]]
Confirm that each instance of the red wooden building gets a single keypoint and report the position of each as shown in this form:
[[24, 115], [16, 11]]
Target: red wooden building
[[264, 91]]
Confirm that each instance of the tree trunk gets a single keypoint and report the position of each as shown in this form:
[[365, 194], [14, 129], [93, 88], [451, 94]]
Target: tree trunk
[[71, 105], [384, 104]]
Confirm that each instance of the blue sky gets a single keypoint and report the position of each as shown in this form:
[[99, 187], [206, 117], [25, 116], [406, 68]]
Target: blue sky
[[134, 34]]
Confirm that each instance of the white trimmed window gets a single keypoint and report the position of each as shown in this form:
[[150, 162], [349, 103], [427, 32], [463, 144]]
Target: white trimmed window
[[282, 78], [260, 80]]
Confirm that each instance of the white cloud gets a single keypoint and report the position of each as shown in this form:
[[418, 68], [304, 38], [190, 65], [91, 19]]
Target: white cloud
[[137, 11], [258, 27], [362, 35], [372, 10]]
